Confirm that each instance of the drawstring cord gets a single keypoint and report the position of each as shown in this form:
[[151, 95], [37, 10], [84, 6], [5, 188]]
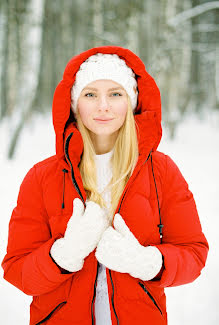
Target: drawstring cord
[[160, 224], [63, 196]]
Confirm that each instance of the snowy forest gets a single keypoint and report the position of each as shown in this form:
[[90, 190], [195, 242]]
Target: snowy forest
[[178, 41]]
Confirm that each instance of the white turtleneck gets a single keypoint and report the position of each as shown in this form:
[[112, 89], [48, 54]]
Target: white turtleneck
[[102, 307]]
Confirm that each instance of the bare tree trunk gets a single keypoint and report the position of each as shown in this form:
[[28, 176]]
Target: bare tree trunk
[[195, 71], [132, 33], [29, 75], [185, 58], [217, 75], [80, 32], [173, 82], [148, 33], [4, 32], [98, 29]]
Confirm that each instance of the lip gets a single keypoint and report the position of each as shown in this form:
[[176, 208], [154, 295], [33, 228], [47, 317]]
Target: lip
[[102, 120]]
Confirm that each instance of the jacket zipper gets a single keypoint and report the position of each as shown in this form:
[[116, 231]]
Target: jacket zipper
[[150, 296], [112, 298], [51, 313], [109, 269], [72, 170], [95, 284], [79, 192]]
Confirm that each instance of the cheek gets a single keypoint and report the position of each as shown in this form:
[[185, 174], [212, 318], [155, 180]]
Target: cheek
[[84, 112], [122, 110]]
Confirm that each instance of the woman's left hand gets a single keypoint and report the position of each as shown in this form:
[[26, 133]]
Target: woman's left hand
[[119, 250]]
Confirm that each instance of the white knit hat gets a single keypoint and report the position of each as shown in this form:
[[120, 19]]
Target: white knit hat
[[104, 66]]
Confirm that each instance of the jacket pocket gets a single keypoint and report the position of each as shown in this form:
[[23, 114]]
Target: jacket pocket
[[48, 316], [150, 296]]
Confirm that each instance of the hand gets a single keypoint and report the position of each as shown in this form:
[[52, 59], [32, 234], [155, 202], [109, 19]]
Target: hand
[[83, 232], [120, 251]]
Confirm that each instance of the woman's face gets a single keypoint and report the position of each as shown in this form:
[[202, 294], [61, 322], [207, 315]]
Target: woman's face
[[103, 100]]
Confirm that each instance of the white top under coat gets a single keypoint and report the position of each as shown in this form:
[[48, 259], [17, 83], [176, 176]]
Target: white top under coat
[[102, 307]]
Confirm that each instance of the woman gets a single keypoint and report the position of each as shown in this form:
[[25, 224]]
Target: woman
[[102, 227]]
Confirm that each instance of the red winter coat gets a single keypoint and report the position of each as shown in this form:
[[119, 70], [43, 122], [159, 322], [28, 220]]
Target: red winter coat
[[45, 204]]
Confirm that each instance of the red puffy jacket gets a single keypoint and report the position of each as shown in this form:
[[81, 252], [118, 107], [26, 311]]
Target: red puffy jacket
[[155, 193]]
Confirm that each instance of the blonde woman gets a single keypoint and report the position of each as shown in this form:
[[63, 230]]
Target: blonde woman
[[104, 225]]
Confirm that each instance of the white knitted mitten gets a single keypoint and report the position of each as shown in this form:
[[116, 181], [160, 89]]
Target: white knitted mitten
[[83, 232], [120, 251]]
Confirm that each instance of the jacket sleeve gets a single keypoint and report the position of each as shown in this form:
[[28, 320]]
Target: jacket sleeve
[[184, 246], [27, 264]]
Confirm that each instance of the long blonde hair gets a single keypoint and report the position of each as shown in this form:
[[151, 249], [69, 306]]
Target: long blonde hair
[[123, 161]]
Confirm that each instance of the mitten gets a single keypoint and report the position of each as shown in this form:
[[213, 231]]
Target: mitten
[[120, 251], [83, 232]]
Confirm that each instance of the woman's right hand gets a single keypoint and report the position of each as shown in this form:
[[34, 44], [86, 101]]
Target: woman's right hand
[[83, 232]]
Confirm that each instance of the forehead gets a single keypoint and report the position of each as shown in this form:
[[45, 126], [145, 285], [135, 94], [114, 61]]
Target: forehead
[[103, 84]]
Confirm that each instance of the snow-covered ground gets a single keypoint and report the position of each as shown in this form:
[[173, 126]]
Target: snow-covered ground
[[194, 150]]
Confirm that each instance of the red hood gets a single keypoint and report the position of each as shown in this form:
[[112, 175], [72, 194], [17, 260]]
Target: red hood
[[148, 112]]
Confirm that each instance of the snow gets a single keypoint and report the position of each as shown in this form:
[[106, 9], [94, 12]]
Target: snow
[[194, 150]]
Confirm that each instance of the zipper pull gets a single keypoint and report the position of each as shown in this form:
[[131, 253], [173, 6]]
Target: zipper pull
[[63, 195]]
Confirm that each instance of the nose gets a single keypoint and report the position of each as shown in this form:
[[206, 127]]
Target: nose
[[103, 103]]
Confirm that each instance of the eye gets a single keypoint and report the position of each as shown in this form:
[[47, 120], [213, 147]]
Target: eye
[[89, 94], [116, 94]]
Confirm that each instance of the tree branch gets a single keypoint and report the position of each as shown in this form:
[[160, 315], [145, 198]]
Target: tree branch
[[191, 13]]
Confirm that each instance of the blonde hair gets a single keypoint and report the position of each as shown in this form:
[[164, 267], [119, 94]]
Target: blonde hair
[[123, 161]]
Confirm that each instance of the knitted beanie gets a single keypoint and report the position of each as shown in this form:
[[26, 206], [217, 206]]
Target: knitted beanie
[[104, 66]]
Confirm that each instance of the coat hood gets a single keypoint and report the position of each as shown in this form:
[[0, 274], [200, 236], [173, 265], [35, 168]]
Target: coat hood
[[147, 114]]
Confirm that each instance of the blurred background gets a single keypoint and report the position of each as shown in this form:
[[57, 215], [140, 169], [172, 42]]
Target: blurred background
[[179, 43]]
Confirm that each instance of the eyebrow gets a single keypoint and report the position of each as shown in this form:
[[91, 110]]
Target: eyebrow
[[116, 88]]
